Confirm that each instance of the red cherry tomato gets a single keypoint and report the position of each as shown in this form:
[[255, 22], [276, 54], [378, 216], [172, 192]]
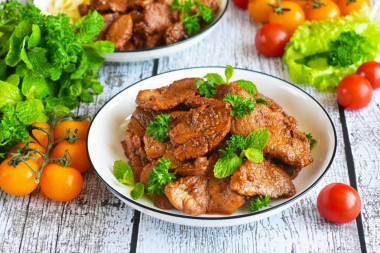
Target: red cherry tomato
[[354, 92], [371, 71], [271, 39], [242, 4], [339, 203]]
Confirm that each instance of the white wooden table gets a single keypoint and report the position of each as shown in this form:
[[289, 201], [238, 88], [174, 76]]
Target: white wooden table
[[96, 221]]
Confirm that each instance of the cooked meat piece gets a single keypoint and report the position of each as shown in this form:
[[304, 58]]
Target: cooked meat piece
[[189, 168], [212, 4], [109, 5], [153, 148], [135, 153], [129, 46], [203, 130], [139, 119], [161, 201], [120, 31], [286, 144], [222, 198], [167, 2], [108, 19], [188, 194], [156, 17], [174, 33], [167, 97], [138, 4], [83, 9], [253, 179], [139, 34], [154, 40], [145, 173], [137, 16], [175, 15]]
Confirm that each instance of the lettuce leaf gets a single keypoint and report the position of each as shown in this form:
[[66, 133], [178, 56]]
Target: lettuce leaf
[[306, 54]]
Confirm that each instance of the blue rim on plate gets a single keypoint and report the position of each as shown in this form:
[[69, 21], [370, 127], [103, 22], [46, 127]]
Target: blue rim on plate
[[227, 217]]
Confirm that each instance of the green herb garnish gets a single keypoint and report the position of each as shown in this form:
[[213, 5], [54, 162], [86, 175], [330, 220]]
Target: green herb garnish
[[123, 173], [258, 203], [311, 139], [251, 148], [159, 127], [160, 176], [240, 106], [206, 88], [138, 191], [191, 21]]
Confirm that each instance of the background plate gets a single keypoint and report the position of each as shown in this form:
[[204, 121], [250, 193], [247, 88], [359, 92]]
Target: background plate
[[157, 52], [108, 126]]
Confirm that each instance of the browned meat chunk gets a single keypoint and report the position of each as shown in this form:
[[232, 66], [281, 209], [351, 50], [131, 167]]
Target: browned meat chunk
[[286, 144], [203, 130], [188, 194], [167, 97], [145, 173], [108, 19], [138, 4], [175, 15], [263, 178], [156, 17], [212, 4], [174, 33], [129, 46], [139, 119], [120, 31], [137, 16], [135, 153], [153, 148], [154, 40], [83, 9], [161, 201], [109, 5]]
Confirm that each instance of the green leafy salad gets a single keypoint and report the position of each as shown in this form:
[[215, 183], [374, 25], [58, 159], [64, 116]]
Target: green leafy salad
[[46, 64], [321, 53]]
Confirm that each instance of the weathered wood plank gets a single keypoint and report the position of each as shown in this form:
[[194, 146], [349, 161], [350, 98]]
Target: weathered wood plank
[[299, 228]]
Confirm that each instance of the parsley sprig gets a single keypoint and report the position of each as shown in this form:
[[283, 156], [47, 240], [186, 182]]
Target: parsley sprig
[[191, 20], [251, 148], [159, 127], [240, 106], [160, 176], [311, 139], [258, 203]]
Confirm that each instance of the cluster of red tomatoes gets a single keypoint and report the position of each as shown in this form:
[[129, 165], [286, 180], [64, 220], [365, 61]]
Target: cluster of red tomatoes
[[285, 16], [57, 181]]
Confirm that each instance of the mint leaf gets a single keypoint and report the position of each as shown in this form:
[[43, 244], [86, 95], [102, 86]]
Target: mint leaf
[[258, 203], [35, 37], [90, 26], [227, 165], [23, 54], [138, 191], [13, 79], [34, 86], [216, 78], [3, 70], [94, 60], [123, 172], [229, 72], [9, 94], [16, 43], [96, 86], [258, 138], [30, 111], [253, 154], [101, 47], [86, 96], [82, 67], [247, 86]]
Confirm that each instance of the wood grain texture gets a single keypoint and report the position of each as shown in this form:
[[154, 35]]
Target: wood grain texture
[[298, 229]]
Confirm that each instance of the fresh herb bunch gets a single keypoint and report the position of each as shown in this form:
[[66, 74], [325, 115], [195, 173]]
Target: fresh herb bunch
[[160, 176], [313, 141], [347, 49], [258, 203], [190, 19], [159, 127], [124, 174], [46, 64], [251, 148]]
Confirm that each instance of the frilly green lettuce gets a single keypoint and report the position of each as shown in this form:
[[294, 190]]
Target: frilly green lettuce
[[304, 54]]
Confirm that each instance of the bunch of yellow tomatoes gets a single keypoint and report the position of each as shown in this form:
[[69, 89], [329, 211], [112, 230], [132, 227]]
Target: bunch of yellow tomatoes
[[39, 162]]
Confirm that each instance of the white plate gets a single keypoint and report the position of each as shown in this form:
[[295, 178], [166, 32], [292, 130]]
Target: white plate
[[157, 52], [108, 126]]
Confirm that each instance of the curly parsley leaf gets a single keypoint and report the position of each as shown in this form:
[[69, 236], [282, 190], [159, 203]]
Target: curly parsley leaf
[[311, 139], [159, 127], [123, 172], [160, 176], [227, 165], [206, 88], [262, 101], [248, 86], [258, 203], [240, 106], [138, 191], [205, 12], [235, 142]]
